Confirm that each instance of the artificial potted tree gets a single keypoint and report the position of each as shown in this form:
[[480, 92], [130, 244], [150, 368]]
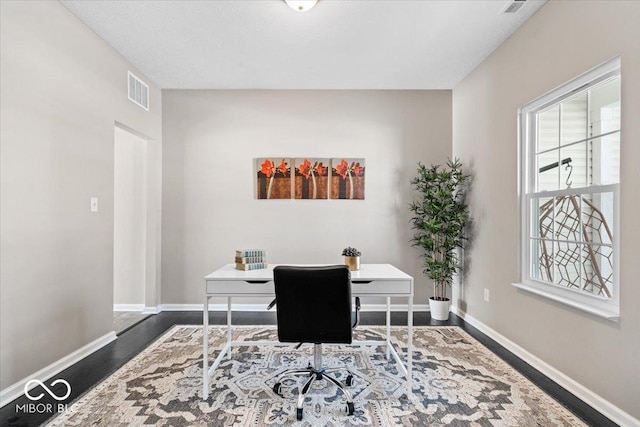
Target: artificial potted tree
[[440, 216]]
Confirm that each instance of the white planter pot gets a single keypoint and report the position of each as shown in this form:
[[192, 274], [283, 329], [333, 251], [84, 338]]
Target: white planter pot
[[439, 309]]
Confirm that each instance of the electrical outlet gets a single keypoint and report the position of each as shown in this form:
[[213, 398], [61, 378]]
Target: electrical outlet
[[486, 294]]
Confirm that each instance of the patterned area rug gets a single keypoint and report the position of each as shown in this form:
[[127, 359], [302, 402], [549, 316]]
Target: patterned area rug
[[457, 382]]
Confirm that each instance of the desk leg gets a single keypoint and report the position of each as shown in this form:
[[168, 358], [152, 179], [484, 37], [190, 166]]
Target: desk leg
[[205, 349], [388, 327], [229, 335], [410, 349]]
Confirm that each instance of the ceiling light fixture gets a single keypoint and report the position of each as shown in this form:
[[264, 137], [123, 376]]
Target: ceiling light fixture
[[301, 5]]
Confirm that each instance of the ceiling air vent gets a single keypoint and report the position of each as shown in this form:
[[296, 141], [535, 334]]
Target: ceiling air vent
[[138, 91], [514, 6]]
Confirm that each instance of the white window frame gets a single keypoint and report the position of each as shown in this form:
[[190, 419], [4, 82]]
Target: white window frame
[[527, 127]]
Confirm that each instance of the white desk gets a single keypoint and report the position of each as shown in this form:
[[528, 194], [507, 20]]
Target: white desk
[[379, 280]]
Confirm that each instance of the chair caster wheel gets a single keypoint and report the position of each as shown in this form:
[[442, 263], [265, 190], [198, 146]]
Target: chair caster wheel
[[349, 381], [277, 389], [299, 414], [350, 408]]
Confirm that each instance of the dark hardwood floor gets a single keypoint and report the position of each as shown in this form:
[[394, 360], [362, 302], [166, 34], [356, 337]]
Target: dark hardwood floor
[[99, 365]]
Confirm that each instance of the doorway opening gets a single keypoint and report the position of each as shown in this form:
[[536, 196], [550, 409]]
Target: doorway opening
[[129, 228]]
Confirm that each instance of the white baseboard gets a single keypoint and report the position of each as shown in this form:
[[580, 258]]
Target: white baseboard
[[394, 307], [136, 307], [601, 405], [16, 390], [151, 310], [128, 307], [263, 307]]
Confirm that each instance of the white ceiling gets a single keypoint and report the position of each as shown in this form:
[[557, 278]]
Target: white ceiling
[[339, 44]]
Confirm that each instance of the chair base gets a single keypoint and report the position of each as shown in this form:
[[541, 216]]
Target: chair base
[[316, 373]]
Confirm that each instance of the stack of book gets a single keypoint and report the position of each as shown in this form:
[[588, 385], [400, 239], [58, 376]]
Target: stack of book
[[251, 259]]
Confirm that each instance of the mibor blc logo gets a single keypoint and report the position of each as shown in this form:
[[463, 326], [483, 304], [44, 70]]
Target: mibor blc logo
[[47, 389], [45, 407]]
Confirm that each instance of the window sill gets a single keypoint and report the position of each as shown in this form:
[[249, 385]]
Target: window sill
[[606, 313]]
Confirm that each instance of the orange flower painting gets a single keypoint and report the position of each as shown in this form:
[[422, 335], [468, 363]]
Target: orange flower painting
[[273, 178], [347, 178], [311, 178]]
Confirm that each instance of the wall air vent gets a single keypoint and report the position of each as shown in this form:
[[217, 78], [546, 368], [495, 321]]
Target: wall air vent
[[138, 91], [514, 6]]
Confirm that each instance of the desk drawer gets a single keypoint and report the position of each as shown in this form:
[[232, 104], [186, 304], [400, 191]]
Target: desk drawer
[[238, 287], [377, 287]]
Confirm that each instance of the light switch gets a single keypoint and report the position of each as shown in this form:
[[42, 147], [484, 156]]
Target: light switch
[[94, 204]]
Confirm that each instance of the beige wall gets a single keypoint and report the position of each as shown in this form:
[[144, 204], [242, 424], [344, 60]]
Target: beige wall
[[210, 140], [63, 89], [563, 40]]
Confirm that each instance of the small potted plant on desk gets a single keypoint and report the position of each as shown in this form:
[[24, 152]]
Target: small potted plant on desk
[[440, 217], [352, 258]]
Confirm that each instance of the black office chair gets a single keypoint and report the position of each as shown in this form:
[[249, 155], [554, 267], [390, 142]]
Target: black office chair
[[315, 306]]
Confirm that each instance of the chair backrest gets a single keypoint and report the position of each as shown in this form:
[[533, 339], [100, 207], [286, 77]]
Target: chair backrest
[[313, 304]]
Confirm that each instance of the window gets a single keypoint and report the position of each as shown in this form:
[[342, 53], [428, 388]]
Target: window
[[570, 174]]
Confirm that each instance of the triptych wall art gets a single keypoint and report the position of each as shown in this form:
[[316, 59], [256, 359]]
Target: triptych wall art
[[310, 178]]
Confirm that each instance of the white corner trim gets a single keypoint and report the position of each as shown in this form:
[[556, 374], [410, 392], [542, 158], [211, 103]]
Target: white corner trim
[[16, 390], [128, 307], [151, 310], [592, 399], [263, 307]]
